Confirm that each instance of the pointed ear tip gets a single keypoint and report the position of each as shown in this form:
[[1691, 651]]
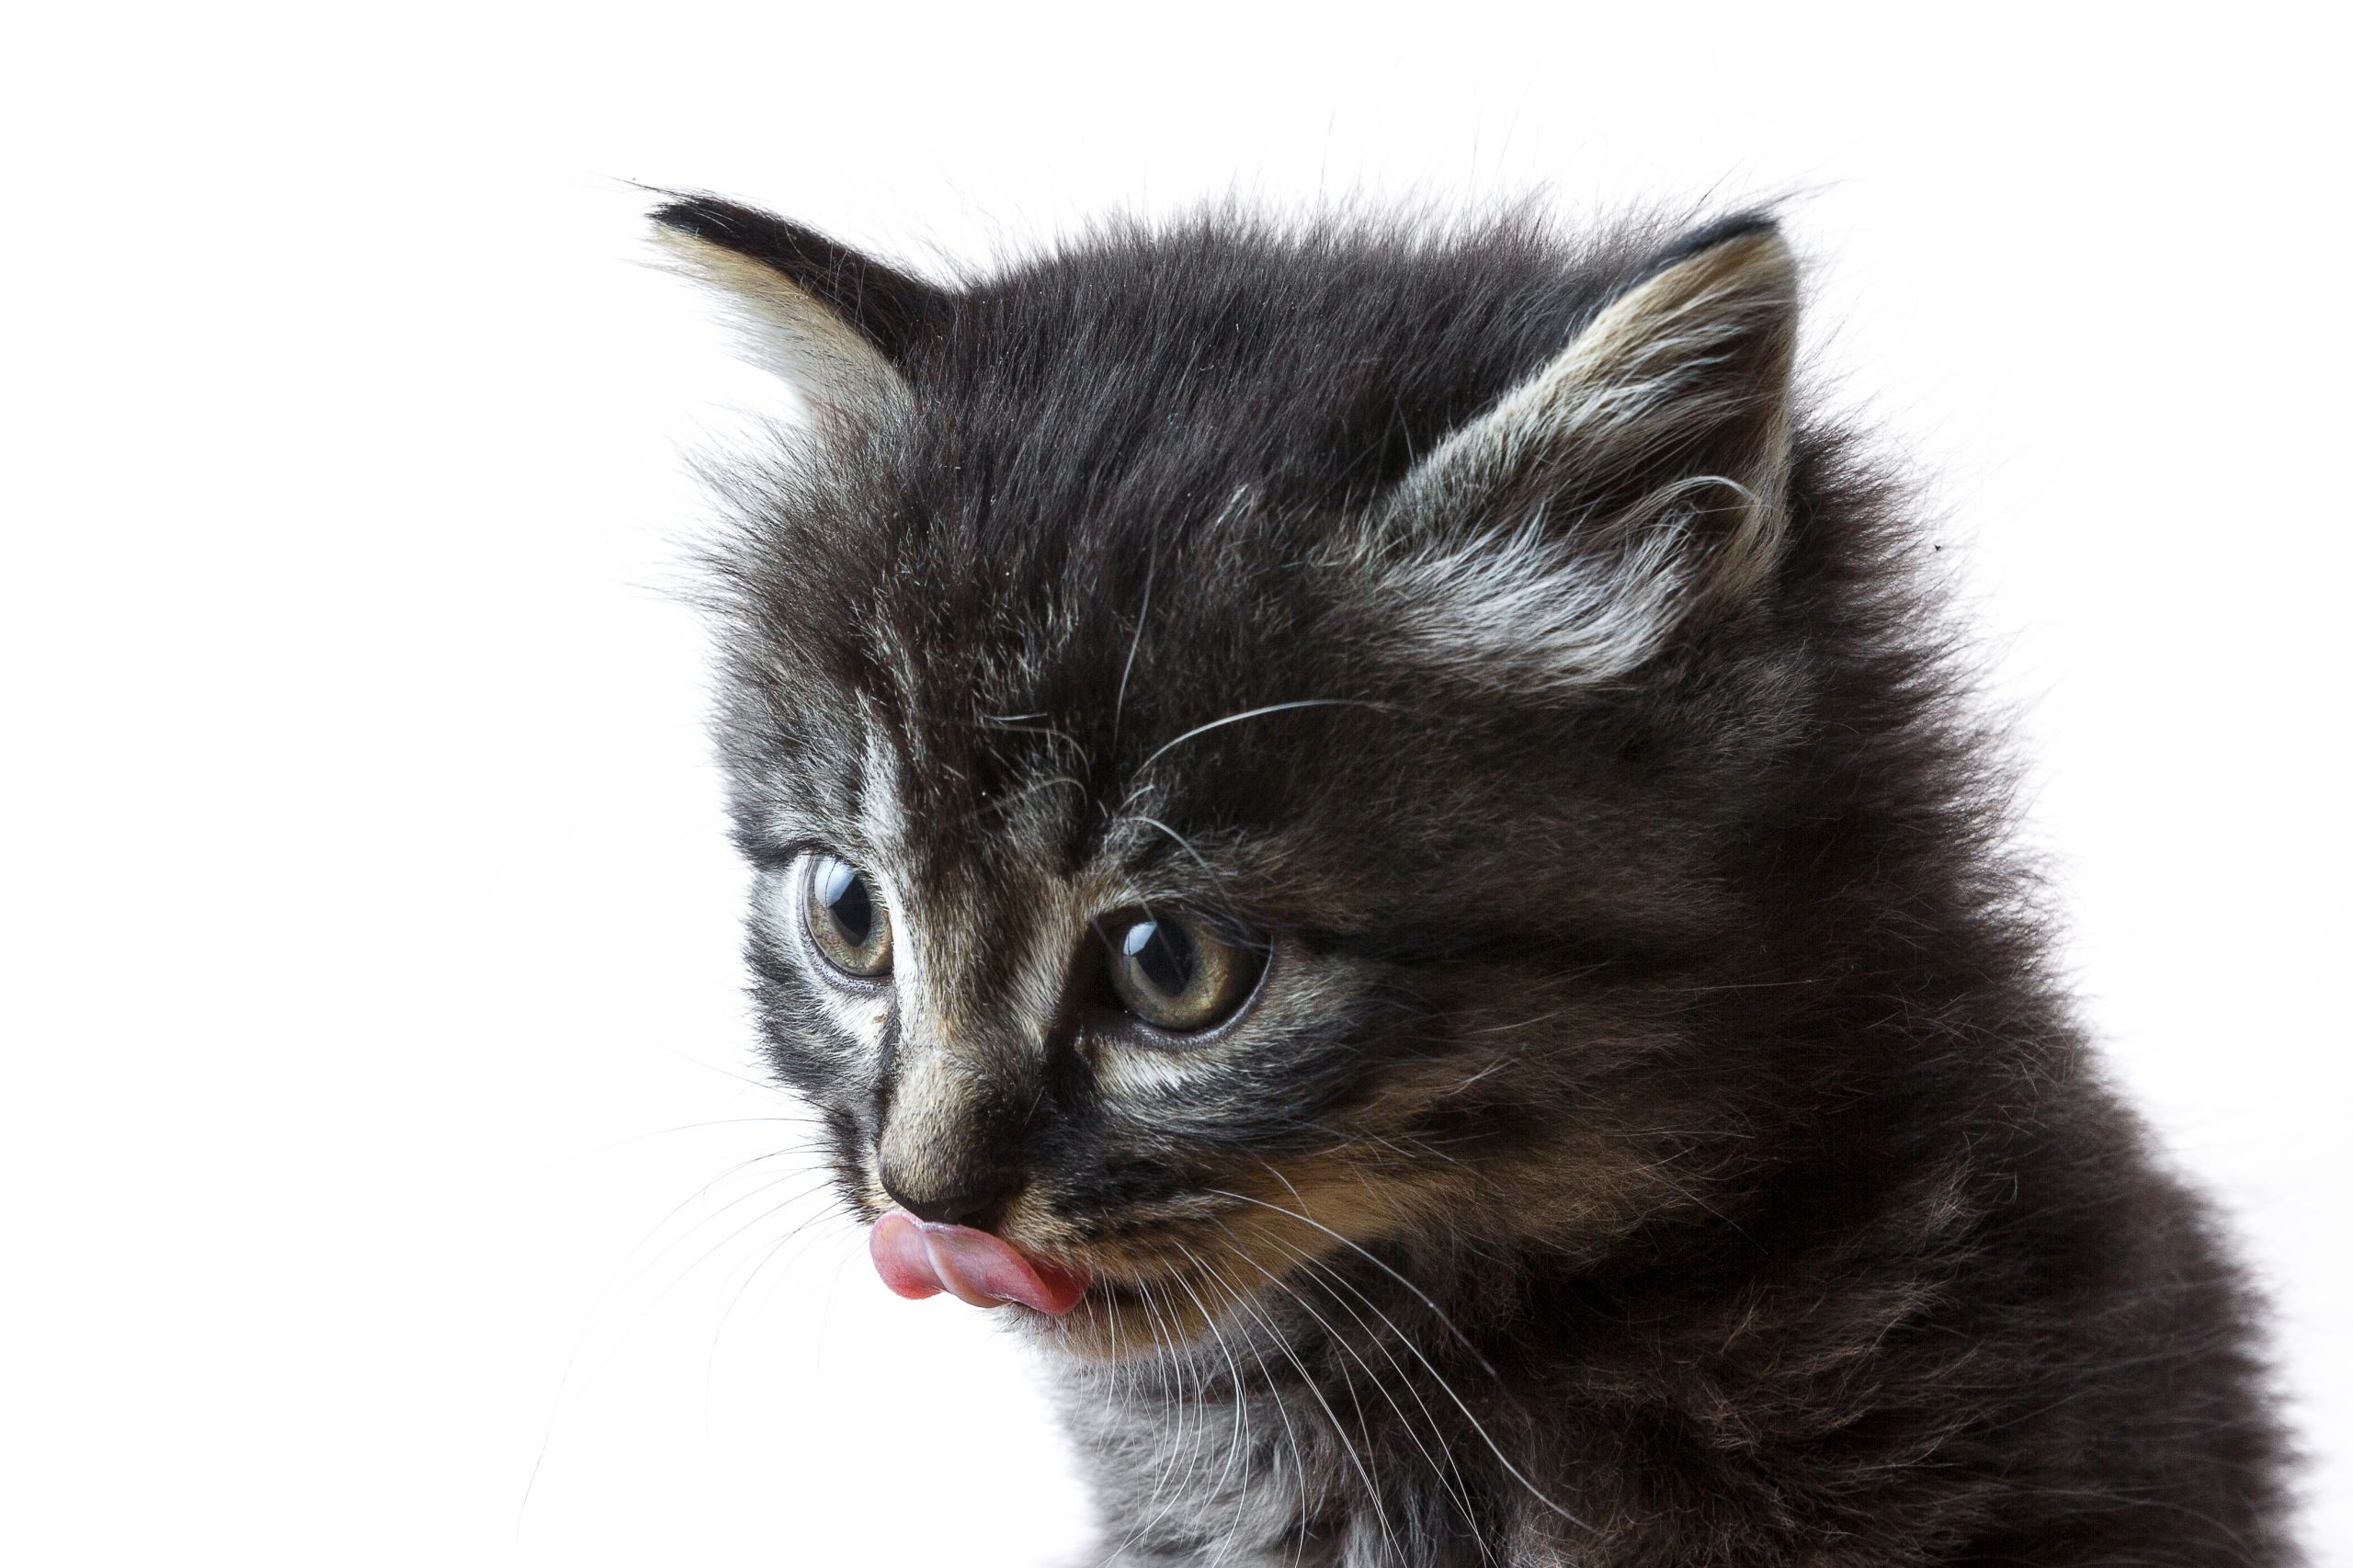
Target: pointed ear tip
[[699, 217], [1746, 243], [1743, 258], [685, 252], [1760, 250], [682, 249], [1753, 227]]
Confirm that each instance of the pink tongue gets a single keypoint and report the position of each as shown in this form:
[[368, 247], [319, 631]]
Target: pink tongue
[[916, 1259]]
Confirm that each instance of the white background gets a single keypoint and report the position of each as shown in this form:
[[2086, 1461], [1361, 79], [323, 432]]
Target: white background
[[374, 1061]]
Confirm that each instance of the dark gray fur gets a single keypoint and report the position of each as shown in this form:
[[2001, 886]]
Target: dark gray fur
[[1737, 1186]]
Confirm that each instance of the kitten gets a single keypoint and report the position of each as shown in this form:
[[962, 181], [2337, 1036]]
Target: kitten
[[1369, 830]]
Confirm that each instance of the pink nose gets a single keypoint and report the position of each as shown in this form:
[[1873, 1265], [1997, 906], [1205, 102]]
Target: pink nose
[[918, 1258]]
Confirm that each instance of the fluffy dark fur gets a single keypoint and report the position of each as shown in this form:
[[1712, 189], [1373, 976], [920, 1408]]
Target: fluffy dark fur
[[1659, 1139]]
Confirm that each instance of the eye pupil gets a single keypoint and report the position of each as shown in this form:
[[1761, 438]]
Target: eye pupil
[[1163, 954], [845, 921], [842, 893]]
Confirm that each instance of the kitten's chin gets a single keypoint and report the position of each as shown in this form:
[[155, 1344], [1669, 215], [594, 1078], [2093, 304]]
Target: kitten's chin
[[1118, 1321]]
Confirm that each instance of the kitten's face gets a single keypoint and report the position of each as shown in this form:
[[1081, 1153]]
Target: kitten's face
[[1182, 989], [1108, 1027], [1186, 873]]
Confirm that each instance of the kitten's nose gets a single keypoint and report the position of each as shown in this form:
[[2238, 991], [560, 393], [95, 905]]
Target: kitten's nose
[[974, 1202]]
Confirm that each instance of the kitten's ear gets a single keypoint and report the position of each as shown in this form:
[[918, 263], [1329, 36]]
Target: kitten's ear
[[834, 323], [1636, 477]]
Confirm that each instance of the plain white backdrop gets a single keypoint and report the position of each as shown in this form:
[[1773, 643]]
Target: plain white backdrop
[[381, 1173]]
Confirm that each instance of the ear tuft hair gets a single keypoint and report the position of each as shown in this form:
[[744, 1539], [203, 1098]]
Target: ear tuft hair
[[1636, 479]]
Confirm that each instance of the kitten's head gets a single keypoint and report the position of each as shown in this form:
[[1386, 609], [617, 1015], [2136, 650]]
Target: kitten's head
[[1255, 741]]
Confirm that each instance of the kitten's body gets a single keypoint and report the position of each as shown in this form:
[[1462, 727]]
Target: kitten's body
[[1657, 1140], [1936, 1375]]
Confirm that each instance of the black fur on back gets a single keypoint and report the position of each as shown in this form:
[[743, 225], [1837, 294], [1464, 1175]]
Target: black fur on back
[[1736, 1185]]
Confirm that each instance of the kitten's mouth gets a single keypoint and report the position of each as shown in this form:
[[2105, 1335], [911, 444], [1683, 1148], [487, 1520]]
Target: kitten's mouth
[[917, 1258]]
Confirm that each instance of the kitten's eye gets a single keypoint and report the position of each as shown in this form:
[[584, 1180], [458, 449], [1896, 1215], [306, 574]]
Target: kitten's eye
[[1172, 973], [845, 920]]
